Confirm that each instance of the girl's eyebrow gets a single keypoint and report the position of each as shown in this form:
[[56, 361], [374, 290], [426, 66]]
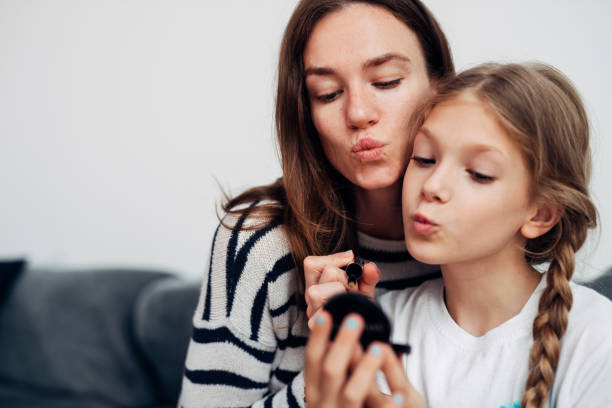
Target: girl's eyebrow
[[473, 149], [372, 62]]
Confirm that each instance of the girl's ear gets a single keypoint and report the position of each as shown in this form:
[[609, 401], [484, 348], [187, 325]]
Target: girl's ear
[[544, 216]]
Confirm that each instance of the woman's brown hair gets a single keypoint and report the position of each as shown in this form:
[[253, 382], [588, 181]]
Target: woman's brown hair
[[538, 106], [312, 200]]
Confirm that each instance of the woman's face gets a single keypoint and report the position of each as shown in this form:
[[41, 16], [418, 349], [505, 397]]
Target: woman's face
[[365, 75]]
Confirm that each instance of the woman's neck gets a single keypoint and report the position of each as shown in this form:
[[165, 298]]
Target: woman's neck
[[379, 212], [482, 295]]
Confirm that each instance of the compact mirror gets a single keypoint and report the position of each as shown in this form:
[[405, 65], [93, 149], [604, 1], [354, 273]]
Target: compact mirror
[[377, 325]]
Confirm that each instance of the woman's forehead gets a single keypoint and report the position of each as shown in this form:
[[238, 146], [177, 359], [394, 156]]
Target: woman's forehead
[[359, 32]]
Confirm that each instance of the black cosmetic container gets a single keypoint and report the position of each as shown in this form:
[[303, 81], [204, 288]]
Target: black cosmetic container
[[377, 326]]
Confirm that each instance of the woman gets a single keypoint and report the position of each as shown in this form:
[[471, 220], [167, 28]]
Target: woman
[[350, 75]]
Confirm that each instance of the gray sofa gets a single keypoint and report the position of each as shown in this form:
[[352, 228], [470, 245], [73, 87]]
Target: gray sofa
[[94, 338], [100, 338]]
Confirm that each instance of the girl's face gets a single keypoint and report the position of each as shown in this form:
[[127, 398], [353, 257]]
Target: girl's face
[[365, 75], [467, 188]]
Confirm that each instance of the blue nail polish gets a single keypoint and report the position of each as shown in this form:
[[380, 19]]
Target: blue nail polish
[[352, 323], [375, 350], [319, 320], [398, 399]]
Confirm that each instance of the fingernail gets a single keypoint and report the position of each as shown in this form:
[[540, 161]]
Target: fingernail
[[375, 350], [319, 320], [352, 323], [398, 399]]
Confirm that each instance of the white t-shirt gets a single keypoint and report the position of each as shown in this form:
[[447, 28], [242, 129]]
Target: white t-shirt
[[452, 368]]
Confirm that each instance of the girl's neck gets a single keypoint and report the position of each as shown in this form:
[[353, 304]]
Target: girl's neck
[[483, 294], [379, 212]]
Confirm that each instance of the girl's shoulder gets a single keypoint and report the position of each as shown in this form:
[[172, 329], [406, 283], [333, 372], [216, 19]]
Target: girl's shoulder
[[590, 310], [584, 372], [411, 300], [589, 302]]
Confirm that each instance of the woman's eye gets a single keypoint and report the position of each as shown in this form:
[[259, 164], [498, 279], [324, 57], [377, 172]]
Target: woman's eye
[[423, 161], [479, 177], [328, 97], [388, 84]]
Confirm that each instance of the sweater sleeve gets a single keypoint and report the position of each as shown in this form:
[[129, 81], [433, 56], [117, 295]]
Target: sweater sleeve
[[248, 334]]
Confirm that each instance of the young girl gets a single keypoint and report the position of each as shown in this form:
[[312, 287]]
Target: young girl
[[497, 183]]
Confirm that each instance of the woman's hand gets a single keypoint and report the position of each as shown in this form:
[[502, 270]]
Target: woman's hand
[[340, 374], [324, 279]]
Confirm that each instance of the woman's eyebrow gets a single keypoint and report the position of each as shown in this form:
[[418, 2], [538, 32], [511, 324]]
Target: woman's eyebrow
[[376, 61], [372, 62], [322, 71]]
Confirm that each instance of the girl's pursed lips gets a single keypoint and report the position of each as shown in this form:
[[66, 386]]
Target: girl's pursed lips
[[422, 224]]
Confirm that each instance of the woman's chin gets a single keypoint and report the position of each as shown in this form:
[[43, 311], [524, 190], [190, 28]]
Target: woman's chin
[[376, 181]]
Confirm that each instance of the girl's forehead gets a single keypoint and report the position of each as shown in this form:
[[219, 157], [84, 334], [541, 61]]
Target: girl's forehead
[[467, 122]]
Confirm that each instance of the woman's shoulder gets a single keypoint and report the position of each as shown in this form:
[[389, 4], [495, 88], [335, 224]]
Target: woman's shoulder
[[250, 270], [251, 236]]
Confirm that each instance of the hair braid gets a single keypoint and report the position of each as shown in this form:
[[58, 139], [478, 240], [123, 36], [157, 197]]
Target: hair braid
[[549, 326]]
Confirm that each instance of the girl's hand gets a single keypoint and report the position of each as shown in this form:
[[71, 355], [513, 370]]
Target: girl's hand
[[403, 394], [324, 279], [340, 374]]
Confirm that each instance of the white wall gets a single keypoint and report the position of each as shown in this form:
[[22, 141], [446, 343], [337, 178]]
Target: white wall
[[116, 116]]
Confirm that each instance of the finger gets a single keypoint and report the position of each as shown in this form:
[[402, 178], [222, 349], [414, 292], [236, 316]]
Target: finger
[[332, 273], [399, 385], [317, 295], [313, 320], [376, 398], [316, 347], [314, 265], [362, 377], [369, 279], [335, 366], [356, 357]]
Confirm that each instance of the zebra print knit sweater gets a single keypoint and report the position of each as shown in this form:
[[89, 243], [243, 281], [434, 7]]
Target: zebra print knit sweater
[[249, 332]]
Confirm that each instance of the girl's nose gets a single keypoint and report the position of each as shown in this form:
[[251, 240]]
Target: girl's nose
[[437, 186]]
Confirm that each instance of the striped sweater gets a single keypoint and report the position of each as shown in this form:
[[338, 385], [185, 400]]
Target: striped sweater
[[249, 331]]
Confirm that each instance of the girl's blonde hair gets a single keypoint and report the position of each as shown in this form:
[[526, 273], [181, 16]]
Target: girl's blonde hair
[[538, 106]]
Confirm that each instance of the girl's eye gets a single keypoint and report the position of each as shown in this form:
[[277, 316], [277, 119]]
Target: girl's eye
[[479, 177], [329, 97], [423, 161], [388, 84]]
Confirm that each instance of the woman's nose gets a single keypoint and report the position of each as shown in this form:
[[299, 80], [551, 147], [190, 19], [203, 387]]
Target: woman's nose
[[362, 110]]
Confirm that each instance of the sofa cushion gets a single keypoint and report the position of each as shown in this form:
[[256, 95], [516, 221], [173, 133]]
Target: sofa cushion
[[9, 271], [163, 326], [66, 340], [602, 284]]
